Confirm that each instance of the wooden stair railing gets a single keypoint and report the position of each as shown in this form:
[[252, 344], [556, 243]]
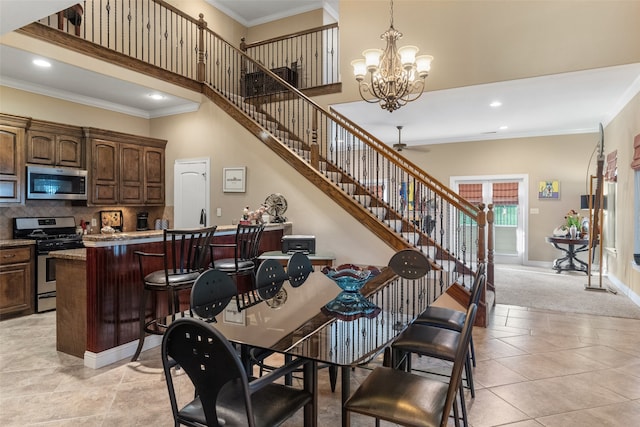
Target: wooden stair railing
[[395, 199]]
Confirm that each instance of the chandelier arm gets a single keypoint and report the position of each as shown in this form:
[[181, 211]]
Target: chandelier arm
[[420, 86], [366, 89]]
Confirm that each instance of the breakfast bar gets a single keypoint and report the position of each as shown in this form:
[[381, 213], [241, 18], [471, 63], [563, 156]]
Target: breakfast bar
[[99, 291]]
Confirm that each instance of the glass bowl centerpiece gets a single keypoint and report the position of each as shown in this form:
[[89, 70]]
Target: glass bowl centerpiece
[[350, 304]]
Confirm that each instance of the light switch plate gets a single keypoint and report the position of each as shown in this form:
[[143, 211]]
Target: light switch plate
[[219, 211]]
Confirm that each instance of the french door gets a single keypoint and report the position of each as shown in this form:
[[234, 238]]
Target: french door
[[508, 194]]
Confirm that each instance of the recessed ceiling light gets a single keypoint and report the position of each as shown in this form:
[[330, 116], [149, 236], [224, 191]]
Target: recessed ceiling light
[[42, 63], [156, 96], [503, 127], [495, 104]]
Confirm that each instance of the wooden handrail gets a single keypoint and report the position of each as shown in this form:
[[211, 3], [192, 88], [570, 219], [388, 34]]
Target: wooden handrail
[[244, 46], [405, 163]]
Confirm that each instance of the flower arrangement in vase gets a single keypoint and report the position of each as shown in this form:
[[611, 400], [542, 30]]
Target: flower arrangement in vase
[[573, 224]]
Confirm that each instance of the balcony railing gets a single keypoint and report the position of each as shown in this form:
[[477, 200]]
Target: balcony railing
[[310, 55]]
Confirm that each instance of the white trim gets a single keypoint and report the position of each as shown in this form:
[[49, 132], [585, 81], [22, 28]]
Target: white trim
[[115, 354]]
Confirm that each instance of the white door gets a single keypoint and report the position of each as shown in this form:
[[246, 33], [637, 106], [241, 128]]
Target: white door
[[191, 192], [508, 194]]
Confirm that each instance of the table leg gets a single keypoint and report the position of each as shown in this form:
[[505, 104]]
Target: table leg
[[310, 381], [346, 392]]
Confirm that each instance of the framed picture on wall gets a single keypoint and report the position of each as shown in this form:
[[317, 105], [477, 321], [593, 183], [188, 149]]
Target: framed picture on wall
[[549, 189], [234, 179]]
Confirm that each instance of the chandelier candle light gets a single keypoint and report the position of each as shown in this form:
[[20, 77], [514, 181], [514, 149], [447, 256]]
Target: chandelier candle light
[[396, 76]]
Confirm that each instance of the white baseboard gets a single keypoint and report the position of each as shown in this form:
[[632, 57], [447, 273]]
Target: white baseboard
[[624, 289], [124, 351]]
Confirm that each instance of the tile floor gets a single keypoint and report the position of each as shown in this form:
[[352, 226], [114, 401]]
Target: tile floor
[[535, 368]]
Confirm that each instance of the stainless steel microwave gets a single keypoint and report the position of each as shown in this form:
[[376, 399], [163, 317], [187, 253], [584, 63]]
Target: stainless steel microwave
[[56, 183]]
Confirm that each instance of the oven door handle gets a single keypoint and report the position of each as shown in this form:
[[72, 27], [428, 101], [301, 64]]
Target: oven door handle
[[47, 295]]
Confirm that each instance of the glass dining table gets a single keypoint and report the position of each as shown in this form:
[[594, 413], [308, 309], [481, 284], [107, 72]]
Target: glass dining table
[[294, 323]]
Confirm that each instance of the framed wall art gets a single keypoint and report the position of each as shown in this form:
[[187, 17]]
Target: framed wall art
[[549, 190], [234, 179]]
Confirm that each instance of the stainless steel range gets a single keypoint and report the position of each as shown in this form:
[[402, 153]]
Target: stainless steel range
[[51, 234]]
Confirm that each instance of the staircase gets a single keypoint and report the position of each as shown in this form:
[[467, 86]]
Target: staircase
[[395, 199]]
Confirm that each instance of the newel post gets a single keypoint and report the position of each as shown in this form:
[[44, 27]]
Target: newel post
[[201, 67], [490, 248]]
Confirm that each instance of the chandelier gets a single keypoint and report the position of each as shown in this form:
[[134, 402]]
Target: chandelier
[[396, 76]]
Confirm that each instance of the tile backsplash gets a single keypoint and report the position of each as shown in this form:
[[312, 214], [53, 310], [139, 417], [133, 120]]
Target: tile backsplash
[[46, 208]]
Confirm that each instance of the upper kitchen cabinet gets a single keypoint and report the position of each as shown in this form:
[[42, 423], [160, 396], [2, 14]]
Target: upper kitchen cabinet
[[54, 144], [154, 175], [125, 169], [12, 134]]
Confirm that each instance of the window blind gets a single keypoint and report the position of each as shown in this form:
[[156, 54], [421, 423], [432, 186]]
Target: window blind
[[471, 192], [505, 193]]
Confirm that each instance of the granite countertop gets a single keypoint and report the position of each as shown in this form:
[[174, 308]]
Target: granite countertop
[[70, 254], [10, 243], [133, 237]]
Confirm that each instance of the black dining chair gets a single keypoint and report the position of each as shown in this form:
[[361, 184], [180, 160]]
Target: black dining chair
[[448, 318], [411, 399], [438, 343], [223, 394], [184, 256]]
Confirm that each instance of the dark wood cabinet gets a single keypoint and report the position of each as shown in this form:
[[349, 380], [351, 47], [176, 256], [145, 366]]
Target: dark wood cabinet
[[154, 175], [16, 280], [103, 175], [55, 145], [125, 169], [12, 133], [259, 83], [131, 174]]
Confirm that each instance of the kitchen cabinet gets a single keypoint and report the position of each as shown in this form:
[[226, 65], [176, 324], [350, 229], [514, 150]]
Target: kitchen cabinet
[[54, 144], [154, 175], [16, 280], [12, 175], [125, 169]]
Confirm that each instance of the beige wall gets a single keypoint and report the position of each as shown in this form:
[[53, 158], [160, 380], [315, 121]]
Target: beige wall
[[619, 136], [27, 104], [477, 42], [292, 24], [229, 29], [563, 158], [211, 133]]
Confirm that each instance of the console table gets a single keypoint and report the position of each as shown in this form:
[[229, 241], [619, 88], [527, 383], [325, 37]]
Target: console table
[[570, 247]]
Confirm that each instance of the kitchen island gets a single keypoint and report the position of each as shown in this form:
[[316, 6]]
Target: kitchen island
[[99, 288]]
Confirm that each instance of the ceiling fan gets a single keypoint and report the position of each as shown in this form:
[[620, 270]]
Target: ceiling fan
[[399, 146]]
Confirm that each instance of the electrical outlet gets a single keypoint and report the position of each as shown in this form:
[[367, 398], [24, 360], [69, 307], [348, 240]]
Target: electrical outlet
[[219, 211], [94, 222]]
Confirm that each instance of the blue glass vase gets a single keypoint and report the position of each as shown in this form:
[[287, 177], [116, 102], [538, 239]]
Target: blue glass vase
[[350, 304]]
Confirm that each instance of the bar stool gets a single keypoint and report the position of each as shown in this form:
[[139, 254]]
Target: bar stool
[[184, 258]]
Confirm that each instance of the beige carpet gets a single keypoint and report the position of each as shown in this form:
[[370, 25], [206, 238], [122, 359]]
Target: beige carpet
[[545, 289]]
